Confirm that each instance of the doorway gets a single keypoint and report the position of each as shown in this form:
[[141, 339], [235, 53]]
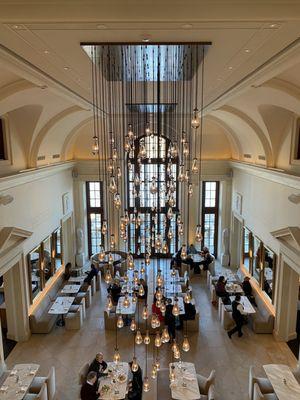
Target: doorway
[[294, 344], [8, 344]]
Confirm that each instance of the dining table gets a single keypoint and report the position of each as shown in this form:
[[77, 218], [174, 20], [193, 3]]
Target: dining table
[[184, 383], [76, 279], [114, 385], [70, 289], [283, 381], [180, 303], [61, 307], [248, 307], [18, 381], [172, 287], [120, 309], [234, 288]]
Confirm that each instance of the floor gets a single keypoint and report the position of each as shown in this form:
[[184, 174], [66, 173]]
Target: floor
[[210, 349]]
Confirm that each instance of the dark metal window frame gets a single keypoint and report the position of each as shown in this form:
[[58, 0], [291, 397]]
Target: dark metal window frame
[[93, 210], [211, 210], [3, 155]]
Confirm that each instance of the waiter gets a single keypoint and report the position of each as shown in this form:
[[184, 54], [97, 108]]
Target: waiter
[[238, 316]]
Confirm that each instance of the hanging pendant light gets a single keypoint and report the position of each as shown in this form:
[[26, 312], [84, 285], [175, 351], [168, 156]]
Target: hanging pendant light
[[195, 168], [112, 185], [177, 355], [130, 132], [185, 344], [117, 201], [127, 145], [181, 175], [153, 187], [101, 255], [120, 322], [109, 303], [153, 321], [165, 337], [172, 374], [142, 151], [108, 277], [145, 313], [148, 130], [134, 365], [157, 340], [170, 234], [147, 259], [104, 227], [110, 166], [95, 145], [183, 252], [158, 293], [198, 236], [126, 301], [146, 384], [187, 297], [112, 242], [147, 338], [159, 280], [126, 218], [138, 337], [114, 154], [170, 213], [130, 262], [157, 363], [163, 307], [133, 325], [174, 346], [180, 230], [195, 119], [165, 248], [117, 356], [134, 298], [154, 371], [141, 291], [175, 309], [110, 259], [190, 190], [185, 149]]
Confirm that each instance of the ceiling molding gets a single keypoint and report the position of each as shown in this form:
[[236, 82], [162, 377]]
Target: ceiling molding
[[12, 234]]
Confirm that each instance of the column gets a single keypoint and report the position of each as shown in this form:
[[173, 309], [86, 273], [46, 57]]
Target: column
[[2, 363]]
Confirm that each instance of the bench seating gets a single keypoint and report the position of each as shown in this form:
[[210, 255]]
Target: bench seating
[[263, 320]]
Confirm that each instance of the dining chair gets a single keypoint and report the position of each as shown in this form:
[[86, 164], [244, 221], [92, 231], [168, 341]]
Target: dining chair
[[257, 394], [41, 395], [263, 383], [73, 320], [4, 375], [49, 380], [210, 395], [82, 374], [205, 383], [296, 374]]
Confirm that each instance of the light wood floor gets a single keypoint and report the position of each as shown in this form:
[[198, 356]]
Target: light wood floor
[[210, 349]]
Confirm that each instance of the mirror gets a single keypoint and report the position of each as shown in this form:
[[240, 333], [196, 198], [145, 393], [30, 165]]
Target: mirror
[[34, 262], [269, 271], [256, 258], [57, 248], [47, 261], [247, 236]]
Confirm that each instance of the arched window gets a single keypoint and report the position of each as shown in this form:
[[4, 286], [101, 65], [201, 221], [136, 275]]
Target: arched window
[[152, 207]]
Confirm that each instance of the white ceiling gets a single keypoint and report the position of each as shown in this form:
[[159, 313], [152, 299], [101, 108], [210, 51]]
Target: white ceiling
[[244, 34]]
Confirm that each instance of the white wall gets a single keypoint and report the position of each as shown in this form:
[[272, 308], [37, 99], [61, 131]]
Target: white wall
[[265, 204]]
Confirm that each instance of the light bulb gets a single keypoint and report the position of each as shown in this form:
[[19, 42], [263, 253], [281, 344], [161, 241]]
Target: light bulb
[[108, 277], [114, 154], [120, 322], [157, 340], [153, 187], [126, 218], [133, 325], [126, 301], [153, 321], [190, 190], [183, 252], [170, 234], [172, 374], [112, 185], [159, 280], [180, 229], [165, 337], [157, 325], [142, 151], [130, 262], [175, 309], [185, 149], [147, 338], [110, 259], [173, 272], [159, 294], [101, 255], [154, 371], [146, 384], [165, 248], [112, 241], [117, 356], [174, 150], [195, 119], [141, 291], [174, 346], [117, 200], [163, 307], [177, 354], [130, 131], [181, 175], [171, 201], [138, 337], [119, 172], [104, 227], [187, 297], [157, 363], [147, 130], [95, 145], [185, 344], [127, 146], [198, 236], [195, 167], [145, 313], [134, 299], [109, 303], [147, 259], [110, 166], [134, 365]]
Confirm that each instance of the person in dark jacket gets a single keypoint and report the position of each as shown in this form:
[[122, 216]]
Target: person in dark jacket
[[90, 275], [89, 388], [207, 258], [98, 365], [170, 319], [247, 288], [135, 390], [115, 291], [221, 288], [238, 314], [189, 311]]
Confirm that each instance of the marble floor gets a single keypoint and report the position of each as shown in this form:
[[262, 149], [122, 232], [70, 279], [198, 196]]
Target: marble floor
[[210, 349]]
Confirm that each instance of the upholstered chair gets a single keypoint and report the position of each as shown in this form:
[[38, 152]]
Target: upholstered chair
[[39, 381], [257, 394], [41, 395], [205, 383], [263, 383], [82, 374]]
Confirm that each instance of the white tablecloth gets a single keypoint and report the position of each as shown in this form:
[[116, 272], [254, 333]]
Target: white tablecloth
[[234, 288], [70, 289], [185, 386], [180, 303], [283, 381], [248, 308], [61, 305], [172, 288], [123, 310], [117, 390], [17, 383]]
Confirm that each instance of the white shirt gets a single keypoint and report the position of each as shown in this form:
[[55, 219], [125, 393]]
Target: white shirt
[[240, 307]]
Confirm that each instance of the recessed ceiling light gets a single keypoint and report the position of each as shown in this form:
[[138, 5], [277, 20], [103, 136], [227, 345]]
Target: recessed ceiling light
[[46, 51], [186, 26], [146, 39], [247, 50], [230, 67], [66, 68], [273, 25], [17, 26], [101, 26]]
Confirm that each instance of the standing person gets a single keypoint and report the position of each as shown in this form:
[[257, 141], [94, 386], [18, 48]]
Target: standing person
[[170, 320], [89, 388], [238, 316], [98, 365]]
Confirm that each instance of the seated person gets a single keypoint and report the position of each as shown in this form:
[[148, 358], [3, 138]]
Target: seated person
[[189, 311], [115, 291], [135, 387], [89, 388], [90, 275], [192, 249], [145, 286], [267, 287], [207, 258], [67, 273], [221, 287], [98, 365], [156, 310], [170, 319], [247, 289]]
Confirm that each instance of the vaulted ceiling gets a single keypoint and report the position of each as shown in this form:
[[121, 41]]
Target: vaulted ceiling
[[252, 84]]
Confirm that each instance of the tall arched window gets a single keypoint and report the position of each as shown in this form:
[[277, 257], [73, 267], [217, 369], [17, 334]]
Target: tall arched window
[[151, 207]]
